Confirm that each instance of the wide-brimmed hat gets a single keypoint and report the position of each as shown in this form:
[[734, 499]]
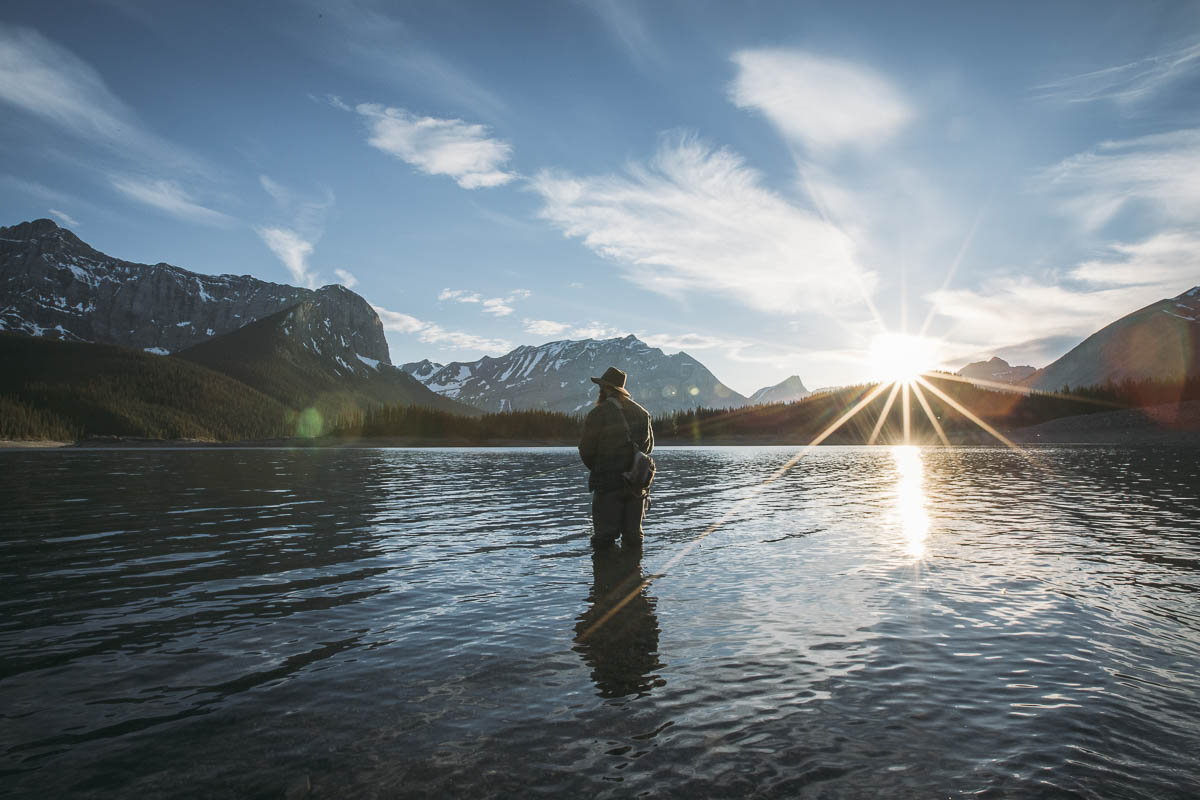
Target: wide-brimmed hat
[[612, 377]]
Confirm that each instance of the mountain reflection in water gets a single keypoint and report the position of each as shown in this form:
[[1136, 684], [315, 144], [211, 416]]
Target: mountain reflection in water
[[877, 622]]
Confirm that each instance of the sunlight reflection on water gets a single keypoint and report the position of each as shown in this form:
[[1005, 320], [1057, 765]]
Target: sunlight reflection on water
[[910, 499]]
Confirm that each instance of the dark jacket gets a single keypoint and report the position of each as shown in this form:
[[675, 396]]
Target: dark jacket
[[604, 448]]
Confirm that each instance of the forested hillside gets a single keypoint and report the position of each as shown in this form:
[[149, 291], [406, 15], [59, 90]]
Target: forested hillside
[[59, 390]]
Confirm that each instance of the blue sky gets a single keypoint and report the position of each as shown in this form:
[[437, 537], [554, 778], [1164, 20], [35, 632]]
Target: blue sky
[[765, 185]]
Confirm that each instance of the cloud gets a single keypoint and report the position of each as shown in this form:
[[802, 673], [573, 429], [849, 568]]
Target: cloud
[[293, 251], [364, 36], [294, 241], [64, 217], [820, 102], [464, 151], [1042, 315], [432, 333], [699, 220], [396, 321], [689, 341], [627, 27], [502, 306], [48, 81], [460, 296], [544, 327], [1160, 169], [306, 212], [1124, 83], [499, 306], [168, 196]]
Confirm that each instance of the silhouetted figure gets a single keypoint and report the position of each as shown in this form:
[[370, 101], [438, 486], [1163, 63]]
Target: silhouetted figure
[[618, 634], [617, 509]]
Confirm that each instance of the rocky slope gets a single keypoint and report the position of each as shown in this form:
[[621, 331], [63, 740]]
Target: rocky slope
[[1160, 341], [788, 390], [53, 284], [303, 357], [556, 377], [996, 370]]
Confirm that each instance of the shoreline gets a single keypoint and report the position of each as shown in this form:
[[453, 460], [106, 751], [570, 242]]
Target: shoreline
[[1166, 424]]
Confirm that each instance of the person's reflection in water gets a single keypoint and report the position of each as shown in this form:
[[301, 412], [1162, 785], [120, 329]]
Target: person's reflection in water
[[619, 641]]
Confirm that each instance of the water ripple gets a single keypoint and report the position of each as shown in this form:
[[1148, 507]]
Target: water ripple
[[385, 623]]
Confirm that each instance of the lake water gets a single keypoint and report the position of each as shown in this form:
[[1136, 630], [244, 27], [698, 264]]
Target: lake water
[[382, 623]]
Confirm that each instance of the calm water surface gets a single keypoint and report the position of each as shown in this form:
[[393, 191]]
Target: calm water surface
[[381, 623]]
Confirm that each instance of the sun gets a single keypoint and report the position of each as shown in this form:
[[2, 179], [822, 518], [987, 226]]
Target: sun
[[901, 358]]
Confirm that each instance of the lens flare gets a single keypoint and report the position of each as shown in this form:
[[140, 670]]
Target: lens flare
[[900, 358]]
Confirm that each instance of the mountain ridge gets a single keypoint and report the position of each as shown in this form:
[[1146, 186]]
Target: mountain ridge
[[556, 376], [1160, 341], [789, 390], [54, 284]]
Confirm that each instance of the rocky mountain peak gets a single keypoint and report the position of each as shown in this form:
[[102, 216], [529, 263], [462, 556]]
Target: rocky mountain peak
[[422, 369], [789, 390], [53, 284]]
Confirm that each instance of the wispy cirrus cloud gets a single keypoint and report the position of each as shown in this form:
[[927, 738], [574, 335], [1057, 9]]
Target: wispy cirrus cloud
[[64, 217], [294, 241], [820, 102], [1054, 312], [48, 81], [1124, 83], [1160, 169], [697, 219], [464, 151], [169, 197], [293, 250], [432, 333], [628, 26]]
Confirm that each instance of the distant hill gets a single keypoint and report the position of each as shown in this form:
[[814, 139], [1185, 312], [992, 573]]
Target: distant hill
[[557, 377], [787, 391], [65, 390], [1158, 342], [300, 357], [996, 370]]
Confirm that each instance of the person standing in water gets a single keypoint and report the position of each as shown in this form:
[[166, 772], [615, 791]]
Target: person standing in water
[[608, 431]]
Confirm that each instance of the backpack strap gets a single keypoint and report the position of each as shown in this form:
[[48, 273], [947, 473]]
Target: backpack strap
[[625, 422]]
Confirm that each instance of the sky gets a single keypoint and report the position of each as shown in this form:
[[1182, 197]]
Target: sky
[[768, 186]]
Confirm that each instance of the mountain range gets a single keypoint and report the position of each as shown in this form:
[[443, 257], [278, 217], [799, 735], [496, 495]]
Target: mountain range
[[556, 376], [321, 351], [284, 350]]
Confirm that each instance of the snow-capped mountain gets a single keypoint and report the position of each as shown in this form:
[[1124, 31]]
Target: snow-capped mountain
[[53, 284], [423, 369], [1159, 342], [788, 390], [557, 377], [997, 370]]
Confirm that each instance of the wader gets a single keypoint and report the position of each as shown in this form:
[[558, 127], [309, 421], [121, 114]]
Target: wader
[[618, 513]]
